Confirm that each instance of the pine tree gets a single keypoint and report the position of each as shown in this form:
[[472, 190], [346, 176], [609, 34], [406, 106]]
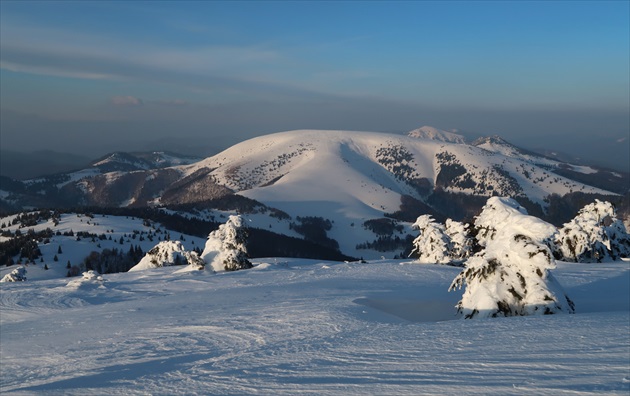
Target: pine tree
[[225, 248], [511, 276], [59, 250], [595, 234]]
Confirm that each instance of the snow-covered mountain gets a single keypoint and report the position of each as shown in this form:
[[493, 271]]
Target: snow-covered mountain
[[121, 161], [429, 132], [355, 181]]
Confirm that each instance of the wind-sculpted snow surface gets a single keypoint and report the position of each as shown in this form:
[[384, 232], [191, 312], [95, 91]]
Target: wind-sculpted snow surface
[[291, 327]]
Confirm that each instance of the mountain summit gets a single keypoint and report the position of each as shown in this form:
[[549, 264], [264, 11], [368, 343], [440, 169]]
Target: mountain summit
[[429, 132]]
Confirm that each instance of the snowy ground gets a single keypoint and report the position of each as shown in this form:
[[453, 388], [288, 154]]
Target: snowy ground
[[296, 326]]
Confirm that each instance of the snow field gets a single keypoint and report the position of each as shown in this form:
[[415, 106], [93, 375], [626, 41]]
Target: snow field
[[291, 326], [76, 251]]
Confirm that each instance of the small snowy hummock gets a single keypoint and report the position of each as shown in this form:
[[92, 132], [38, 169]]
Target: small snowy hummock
[[225, 249], [511, 277]]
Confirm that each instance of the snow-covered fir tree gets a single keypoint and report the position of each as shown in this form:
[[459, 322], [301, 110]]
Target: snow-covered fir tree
[[595, 234], [225, 248], [461, 242], [441, 244], [167, 253], [510, 276], [17, 275], [432, 245]]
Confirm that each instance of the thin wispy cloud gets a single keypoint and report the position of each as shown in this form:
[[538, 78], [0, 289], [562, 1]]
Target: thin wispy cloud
[[53, 71], [127, 101], [215, 68]]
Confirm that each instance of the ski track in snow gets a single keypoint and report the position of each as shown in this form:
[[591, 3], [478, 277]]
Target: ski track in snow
[[293, 326]]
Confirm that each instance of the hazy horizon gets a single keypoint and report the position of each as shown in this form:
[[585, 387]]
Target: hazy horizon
[[94, 77]]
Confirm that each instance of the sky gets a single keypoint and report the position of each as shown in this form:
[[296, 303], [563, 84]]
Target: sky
[[92, 77]]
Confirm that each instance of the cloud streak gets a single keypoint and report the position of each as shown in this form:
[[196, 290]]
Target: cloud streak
[[126, 101], [245, 70]]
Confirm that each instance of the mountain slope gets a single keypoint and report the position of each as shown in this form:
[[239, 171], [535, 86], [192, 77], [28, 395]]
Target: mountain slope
[[120, 161], [347, 178], [364, 174]]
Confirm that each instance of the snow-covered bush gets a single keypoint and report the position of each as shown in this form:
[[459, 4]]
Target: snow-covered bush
[[195, 261], [595, 234], [439, 244], [92, 275], [461, 242], [432, 245], [225, 248], [511, 277], [17, 275], [167, 253]]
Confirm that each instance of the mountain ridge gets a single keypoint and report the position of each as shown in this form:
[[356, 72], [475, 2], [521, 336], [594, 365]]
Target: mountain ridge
[[348, 177]]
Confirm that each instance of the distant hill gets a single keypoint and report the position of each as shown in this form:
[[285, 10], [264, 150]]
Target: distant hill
[[340, 189]]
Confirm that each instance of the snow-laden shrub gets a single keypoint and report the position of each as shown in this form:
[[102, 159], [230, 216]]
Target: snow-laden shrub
[[92, 275], [511, 277], [167, 253], [595, 234], [440, 244], [225, 248], [461, 242], [432, 245], [17, 275]]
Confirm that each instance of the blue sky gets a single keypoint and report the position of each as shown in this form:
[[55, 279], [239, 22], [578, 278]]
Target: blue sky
[[225, 71]]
